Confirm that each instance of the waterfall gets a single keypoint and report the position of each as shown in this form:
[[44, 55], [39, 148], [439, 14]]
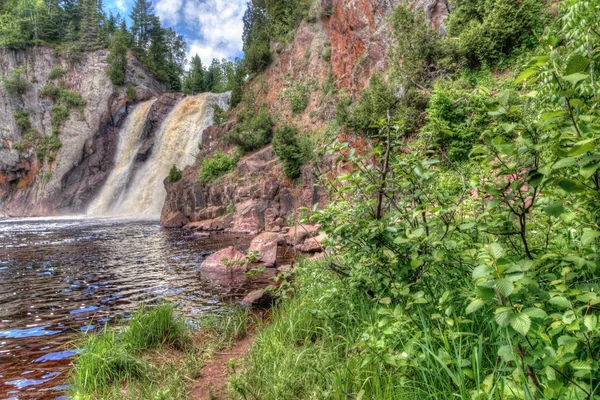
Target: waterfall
[[177, 143], [129, 143]]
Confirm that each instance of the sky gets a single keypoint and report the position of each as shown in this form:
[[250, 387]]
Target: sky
[[211, 28]]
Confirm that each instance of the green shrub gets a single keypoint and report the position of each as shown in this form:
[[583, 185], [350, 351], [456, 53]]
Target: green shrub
[[14, 84], [372, 106], [216, 166], [47, 147], [326, 53], [50, 90], [253, 130], [64, 100], [293, 150], [298, 98], [174, 175], [56, 72], [487, 31], [220, 115], [59, 113], [130, 93], [22, 120]]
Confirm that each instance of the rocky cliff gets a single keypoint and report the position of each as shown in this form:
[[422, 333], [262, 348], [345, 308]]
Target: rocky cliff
[[336, 48], [62, 180]]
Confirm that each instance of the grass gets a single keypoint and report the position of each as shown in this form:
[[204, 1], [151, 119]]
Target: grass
[[331, 341], [157, 355]]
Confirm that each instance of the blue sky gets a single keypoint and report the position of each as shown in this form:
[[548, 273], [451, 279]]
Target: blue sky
[[212, 28]]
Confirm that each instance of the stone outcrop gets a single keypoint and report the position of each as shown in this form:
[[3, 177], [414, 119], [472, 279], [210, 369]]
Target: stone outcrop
[[266, 245], [215, 262], [67, 183]]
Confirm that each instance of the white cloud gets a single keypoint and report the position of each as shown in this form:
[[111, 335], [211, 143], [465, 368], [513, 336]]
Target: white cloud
[[120, 4], [169, 11], [218, 24]]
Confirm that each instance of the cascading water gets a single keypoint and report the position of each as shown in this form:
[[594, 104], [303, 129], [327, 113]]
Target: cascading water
[[129, 143], [177, 143]]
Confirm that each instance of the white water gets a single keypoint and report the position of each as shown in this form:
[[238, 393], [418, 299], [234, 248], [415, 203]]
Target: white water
[[129, 143], [177, 143]]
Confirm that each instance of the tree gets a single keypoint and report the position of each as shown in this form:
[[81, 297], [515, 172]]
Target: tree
[[194, 82], [91, 19], [117, 58], [142, 24]]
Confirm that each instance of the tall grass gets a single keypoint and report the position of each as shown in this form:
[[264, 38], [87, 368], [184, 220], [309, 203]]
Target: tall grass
[[332, 341]]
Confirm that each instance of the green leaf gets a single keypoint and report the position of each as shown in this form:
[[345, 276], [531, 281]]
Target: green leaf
[[528, 73], [474, 306], [520, 323], [554, 210], [502, 316], [564, 163], [534, 312], [576, 78], [386, 301], [589, 170], [481, 271], [570, 186], [505, 287], [496, 250], [589, 236], [577, 63], [582, 147], [560, 302], [590, 322]]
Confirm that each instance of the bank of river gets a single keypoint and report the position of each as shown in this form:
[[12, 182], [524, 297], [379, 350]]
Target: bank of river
[[60, 277]]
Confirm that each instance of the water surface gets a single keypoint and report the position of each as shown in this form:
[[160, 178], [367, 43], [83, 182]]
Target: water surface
[[62, 277]]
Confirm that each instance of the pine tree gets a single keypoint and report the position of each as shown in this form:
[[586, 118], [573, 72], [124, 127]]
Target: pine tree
[[91, 19], [118, 58], [142, 24], [194, 82]]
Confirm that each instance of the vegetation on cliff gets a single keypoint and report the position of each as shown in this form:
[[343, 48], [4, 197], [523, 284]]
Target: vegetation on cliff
[[464, 244]]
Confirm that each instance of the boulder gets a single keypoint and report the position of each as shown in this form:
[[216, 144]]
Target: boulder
[[260, 298], [214, 263], [298, 234], [313, 244], [266, 245]]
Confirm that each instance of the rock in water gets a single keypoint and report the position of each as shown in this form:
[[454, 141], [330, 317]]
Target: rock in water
[[216, 262], [266, 245]]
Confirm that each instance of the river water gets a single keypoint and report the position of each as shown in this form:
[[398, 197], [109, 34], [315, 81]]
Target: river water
[[62, 277]]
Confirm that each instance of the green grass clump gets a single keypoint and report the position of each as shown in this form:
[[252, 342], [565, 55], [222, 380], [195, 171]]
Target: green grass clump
[[57, 72], [14, 84], [216, 166], [114, 357], [22, 119]]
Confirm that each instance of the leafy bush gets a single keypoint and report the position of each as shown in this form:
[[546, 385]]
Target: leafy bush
[[47, 147], [64, 100], [487, 31], [253, 130], [298, 97], [220, 115], [14, 84], [456, 118], [216, 166], [372, 106], [22, 120], [57, 72], [293, 150], [174, 175], [130, 93]]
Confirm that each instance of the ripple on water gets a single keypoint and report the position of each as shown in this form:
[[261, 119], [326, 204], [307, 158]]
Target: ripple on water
[[64, 276]]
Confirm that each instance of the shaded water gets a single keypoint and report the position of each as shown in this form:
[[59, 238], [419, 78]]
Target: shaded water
[[61, 277]]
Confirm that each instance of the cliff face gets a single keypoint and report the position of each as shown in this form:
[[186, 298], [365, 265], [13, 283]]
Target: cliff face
[[342, 43], [65, 182]]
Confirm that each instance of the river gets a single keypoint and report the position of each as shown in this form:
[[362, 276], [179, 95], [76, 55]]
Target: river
[[61, 277]]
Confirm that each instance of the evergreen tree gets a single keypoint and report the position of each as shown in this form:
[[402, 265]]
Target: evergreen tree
[[91, 20], [142, 24], [118, 58], [213, 77], [194, 82]]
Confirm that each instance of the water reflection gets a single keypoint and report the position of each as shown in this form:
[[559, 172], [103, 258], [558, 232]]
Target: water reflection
[[59, 277]]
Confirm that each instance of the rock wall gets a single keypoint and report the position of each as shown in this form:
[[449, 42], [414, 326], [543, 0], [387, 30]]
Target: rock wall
[[66, 184], [342, 42]]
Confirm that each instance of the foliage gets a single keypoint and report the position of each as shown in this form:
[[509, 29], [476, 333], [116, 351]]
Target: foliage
[[266, 22], [64, 100], [47, 147], [22, 120], [487, 31], [216, 166], [130, 92], [372, 106], [253, 130], [221, 76], [293, 150], [56, 72], [174, 175], [456, 117], [220, 115], [14, 84], [298, 97], [117, 58]]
